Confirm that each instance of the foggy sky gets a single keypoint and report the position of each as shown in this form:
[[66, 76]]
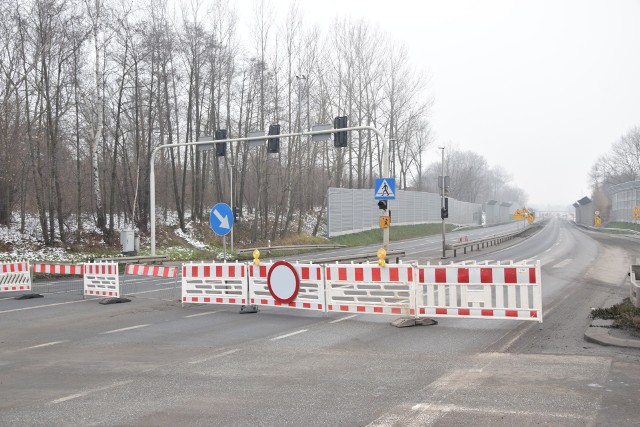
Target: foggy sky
[[542, 88]]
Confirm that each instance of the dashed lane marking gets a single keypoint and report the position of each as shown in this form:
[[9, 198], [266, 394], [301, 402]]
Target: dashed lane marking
[[289, 335], [216, 356], [49, 344], [344, 318], [200, 314], [125, 329], [87, 392]]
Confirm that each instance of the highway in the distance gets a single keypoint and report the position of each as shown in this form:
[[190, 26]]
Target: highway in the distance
[[65, 361]]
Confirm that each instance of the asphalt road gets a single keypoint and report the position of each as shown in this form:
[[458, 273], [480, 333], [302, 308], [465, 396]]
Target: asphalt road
[[68, 361]]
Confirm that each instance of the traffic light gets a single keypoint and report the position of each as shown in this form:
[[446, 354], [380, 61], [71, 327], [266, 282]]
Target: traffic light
[[221, 147], [444, 212], [340, 138], [236, 212], [382, 204], [273, 144]]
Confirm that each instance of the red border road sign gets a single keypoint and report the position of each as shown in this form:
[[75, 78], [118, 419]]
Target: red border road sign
[[286, 283]]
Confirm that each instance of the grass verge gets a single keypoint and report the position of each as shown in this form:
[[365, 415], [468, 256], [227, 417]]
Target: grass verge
[[625, 315], [400, 232]]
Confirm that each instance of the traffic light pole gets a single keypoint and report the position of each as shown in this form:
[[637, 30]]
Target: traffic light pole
[[152, 174]]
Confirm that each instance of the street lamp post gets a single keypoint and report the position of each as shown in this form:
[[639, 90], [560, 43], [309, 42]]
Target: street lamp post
[[444, 251]]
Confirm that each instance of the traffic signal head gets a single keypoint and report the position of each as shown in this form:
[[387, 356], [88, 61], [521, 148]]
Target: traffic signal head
[[273, 144], [382, 204], [444, 212], [340, 138], [221, 147]]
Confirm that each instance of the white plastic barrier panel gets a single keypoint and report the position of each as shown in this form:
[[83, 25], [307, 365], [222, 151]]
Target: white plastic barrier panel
[[284, 284], [101, 279], [214, 283], [487, 291], [368, 288], [59, 269], [15, 276]]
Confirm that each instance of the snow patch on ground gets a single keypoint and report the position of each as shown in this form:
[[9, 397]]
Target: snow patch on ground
[[190, 238]]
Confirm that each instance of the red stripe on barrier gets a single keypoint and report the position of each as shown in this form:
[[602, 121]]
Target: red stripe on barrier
[[511, 313], [487, 312], [264, 302], [410, 271], [510, 275], [263, 271], [232, 301], [306, 305], [318, 274], [184, 299], [441, 275], [421, 275], [394, 275], [376, 275], [361, 309], [218, 271], [342, 273], [194, 271], [533, 314], [344, 308], [359, 274], [232, 271], [486, 275], [464, 312], [242, 271], [532, 275], [463, 275], [395, 310], [305, 273], [441, 311]]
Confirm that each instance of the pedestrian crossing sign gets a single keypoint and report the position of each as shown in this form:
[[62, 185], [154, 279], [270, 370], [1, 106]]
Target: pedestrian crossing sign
[[385, 189]]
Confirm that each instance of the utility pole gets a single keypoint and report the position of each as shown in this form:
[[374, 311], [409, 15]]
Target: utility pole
[[444, 251]]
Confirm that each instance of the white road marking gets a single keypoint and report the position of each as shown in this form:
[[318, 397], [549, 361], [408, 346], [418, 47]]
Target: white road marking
[[43, 345], [217, 356], [200, 314], [563, 263], [85, 393], [289, 335], [43, 306], [344, 318], [125, 329]]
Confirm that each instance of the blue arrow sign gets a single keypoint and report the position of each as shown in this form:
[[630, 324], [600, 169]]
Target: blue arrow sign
[[221, 219], [385, 189]]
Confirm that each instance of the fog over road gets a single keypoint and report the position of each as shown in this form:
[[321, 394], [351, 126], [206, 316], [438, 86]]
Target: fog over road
[[64, 361]]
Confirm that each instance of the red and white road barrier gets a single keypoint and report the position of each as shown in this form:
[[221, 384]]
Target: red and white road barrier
[[15, 276], [151, 270], [101, 279], [368, 288], [493, 291], [285, 284], [214, 283], [59, 269]]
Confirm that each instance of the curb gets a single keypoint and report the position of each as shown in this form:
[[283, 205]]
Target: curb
[[600, 335]]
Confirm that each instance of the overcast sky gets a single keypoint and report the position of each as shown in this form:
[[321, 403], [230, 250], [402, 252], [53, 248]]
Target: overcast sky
[[541, 87]]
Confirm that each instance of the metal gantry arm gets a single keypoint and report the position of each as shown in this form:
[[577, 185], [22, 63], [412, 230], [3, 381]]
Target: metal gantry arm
[[152, 176]]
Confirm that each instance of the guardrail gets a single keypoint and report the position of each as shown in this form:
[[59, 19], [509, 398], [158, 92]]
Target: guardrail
[[360, 257], [289, 248], [482, 243], [135, 259], [634, 289]]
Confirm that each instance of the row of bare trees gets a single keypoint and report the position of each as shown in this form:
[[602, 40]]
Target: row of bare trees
[[620, 164], [89, 88]]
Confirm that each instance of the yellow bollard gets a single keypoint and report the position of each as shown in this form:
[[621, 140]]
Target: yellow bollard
[[256, 257], [381, 254]]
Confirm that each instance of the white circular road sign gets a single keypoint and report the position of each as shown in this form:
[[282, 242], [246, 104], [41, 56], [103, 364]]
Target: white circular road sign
[[283, 282]]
